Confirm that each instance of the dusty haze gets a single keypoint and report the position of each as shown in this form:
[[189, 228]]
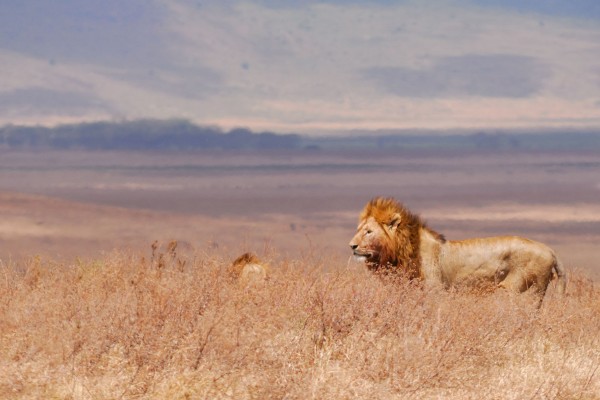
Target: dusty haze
[[67, 204]]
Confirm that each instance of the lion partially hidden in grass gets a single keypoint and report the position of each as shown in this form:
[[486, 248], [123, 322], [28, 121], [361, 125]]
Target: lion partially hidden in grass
[[248, 269], [389, 237]]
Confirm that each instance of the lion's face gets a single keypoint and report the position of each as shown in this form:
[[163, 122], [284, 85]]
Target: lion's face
[[371, 241]]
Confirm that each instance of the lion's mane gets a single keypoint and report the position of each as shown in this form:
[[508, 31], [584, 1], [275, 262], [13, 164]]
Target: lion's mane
[[401, 249]]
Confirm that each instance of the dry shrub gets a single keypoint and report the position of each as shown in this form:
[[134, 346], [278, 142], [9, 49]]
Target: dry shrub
[[124, 327]]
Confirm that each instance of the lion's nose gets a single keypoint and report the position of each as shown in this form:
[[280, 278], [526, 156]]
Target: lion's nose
[[353, 246]]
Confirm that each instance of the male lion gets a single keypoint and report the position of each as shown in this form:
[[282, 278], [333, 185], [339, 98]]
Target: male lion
[[247, 268], [390, 237]]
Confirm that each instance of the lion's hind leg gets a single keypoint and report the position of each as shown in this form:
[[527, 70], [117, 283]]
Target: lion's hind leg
[[514, 282]]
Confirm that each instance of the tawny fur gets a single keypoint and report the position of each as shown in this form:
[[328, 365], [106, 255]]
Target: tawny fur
[[390, 237], [248, 268]]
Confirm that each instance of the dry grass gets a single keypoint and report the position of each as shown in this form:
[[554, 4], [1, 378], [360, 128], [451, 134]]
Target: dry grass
[[124, 327]]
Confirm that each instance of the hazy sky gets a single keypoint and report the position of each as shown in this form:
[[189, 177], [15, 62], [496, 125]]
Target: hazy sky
[[303, 66]]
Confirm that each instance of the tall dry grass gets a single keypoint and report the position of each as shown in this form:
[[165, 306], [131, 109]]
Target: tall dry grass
[[167, 328]]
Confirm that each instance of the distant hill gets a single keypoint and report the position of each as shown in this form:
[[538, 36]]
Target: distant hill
[[149, 134], [302, 66]]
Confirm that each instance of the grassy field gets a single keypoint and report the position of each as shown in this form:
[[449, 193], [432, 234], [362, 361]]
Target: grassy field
[[88, 310], [168, 326]]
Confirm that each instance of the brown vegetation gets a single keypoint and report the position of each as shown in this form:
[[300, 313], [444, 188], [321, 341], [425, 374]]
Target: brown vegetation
[[126, 327]]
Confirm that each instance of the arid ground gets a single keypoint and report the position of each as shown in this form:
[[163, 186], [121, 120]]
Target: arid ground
[[64, 205]]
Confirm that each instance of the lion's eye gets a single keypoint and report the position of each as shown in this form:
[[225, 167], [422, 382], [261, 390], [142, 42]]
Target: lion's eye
[[369, 231]]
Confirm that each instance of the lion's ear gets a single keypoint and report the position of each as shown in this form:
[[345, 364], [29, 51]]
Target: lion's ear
[[395, 221]]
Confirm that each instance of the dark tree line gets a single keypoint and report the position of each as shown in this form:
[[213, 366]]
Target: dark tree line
[[183, 135], [476, 142], [482, 141], [141, 135]]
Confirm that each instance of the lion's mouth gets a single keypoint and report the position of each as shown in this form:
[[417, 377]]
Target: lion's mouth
[[364, 255]]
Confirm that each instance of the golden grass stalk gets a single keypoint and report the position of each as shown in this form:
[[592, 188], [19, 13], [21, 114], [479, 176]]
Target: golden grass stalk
[[126, 328]]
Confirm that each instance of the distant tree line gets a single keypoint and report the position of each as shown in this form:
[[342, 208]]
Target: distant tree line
[[141, 135], [477, 142], [150, 134]]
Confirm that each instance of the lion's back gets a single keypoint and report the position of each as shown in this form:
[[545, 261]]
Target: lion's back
[[253, 272], [496, 259]]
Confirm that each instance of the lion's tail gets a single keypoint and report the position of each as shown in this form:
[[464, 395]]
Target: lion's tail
[[561, 276]]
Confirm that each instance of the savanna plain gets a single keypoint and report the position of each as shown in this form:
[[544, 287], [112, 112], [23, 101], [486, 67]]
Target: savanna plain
[[113, 280]]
